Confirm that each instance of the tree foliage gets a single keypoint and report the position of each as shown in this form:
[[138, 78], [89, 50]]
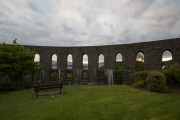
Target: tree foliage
[[119, 66], [118, 72], [139, 66], [16, 61], [85, 76], [172, 72], [101, 75]]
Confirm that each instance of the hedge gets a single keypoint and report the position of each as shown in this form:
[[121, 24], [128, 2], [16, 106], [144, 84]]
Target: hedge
[[156, 81]]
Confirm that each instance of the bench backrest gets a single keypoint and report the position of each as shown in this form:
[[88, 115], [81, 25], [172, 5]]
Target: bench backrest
[[51, 86]]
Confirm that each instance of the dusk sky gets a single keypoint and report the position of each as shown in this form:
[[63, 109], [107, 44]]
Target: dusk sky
[[88, 22]]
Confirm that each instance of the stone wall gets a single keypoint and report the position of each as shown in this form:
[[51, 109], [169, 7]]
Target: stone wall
[[152, 53]]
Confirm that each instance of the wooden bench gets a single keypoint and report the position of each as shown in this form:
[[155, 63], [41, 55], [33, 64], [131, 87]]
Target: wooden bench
[[47, 90]]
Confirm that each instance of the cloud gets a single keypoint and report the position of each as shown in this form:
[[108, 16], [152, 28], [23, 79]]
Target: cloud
[[88, 22]]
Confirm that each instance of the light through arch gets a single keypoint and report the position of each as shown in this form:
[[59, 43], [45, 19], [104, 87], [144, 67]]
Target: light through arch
[[119, 57], [101, 61], [69, 61], [140, 57], [54, 61], [167, 56], [36, 57], [85, 61]]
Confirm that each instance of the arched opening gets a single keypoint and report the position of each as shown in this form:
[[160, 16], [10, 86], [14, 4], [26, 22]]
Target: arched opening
[[101, 61], [85, 62], [69, 73], [85, 73], [139, 61], [166, 58], [54, 61], [101, 75], [167, 55], [119, 65], [38, 73], [69, 61], [118, 69], [36, 57]]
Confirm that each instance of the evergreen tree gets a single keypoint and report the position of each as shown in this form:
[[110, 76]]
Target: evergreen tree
[[16, 61]]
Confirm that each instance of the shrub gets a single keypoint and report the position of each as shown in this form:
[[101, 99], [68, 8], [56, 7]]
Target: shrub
[[139, 66], [25, 85], [139, 78], [10, 86], [175, 70], [172, 73], [170, 80], [7, 86], [54, 76], [156, 81], [69, 75]]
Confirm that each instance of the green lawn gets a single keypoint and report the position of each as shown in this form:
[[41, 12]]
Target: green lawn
[[91, 103]]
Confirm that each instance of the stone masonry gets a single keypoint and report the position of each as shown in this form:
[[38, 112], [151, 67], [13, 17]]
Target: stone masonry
[[152, 53]]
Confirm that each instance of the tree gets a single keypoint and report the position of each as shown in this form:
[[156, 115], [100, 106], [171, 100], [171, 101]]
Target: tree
[[16, 61]]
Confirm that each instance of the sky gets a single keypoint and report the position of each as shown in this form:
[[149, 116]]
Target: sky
[[88, 22]]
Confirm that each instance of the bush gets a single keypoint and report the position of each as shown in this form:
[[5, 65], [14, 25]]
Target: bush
[[54, 76], [7, 86], [25, 85], [10, 86], [170, 80], [139, 66], [172, 72], [139, 78], [175, 70], [156, 81]]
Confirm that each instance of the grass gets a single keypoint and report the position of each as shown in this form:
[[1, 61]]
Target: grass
[[91, 103]]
